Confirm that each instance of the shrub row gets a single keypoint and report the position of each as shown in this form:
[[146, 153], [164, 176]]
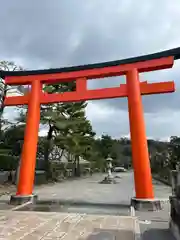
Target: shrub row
[[8, 162]]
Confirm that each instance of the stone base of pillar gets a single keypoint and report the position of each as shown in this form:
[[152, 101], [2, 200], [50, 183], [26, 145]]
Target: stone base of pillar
[[18, 199], [148, 204]]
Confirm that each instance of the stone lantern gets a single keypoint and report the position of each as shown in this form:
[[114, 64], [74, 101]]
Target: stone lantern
[[109, 167], [109, 178]]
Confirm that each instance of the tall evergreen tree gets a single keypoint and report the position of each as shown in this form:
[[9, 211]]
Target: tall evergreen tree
[[68, 127]]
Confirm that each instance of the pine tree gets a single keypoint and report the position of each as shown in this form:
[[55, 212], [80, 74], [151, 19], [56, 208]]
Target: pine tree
[[68, 127]]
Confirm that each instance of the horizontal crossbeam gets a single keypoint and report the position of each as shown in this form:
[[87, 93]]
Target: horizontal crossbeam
[[116, 92], [174, 52], [52, 78]]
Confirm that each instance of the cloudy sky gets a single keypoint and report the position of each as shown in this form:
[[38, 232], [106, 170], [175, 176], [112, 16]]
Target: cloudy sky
[[43, 33]]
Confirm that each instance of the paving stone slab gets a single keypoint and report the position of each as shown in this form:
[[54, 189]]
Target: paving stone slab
[[38, 225]]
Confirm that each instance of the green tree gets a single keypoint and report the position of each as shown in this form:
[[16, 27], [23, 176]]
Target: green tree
[[67, 124], [106, 144], [174, 152], [76, 134], [13, 138], [10, 147], [7, 66]]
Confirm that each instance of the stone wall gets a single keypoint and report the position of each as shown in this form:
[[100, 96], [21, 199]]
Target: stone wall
[[175, 205]]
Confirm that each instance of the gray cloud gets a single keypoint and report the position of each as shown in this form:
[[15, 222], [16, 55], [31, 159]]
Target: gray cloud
[[43, 33]]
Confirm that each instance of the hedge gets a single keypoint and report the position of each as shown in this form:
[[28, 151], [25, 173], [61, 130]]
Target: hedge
[[8, 162]]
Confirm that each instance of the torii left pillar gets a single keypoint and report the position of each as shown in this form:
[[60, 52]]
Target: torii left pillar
[[28, 158]]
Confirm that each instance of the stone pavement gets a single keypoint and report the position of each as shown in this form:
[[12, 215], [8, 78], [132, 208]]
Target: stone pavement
[[155, 225], [51, 226], [94, 224], [89, 190]]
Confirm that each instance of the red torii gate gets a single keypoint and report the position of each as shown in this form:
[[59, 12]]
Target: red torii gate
[[133, 89]]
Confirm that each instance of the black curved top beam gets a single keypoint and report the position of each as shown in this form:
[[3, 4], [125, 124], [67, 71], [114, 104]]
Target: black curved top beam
[[175, 52]]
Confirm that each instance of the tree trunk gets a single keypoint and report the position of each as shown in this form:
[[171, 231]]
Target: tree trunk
[[17, 173], [47, 151], [78, 167], [77, 172]]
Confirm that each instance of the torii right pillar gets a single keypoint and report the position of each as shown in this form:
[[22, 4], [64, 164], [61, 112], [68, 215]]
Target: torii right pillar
[[140, 155]]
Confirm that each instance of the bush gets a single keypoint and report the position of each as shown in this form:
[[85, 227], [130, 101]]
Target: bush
[[8, 163]]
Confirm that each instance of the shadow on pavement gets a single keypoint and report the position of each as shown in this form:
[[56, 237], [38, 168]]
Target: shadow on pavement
[[157, 234], [109, 234]]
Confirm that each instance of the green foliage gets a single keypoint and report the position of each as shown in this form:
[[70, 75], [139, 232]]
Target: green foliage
[[12, 139], [174, 152], [7, 162], [6, 66], [68, 127], [106, 144], [164, 156], [9, 66], [10, 147], [118, 149]]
